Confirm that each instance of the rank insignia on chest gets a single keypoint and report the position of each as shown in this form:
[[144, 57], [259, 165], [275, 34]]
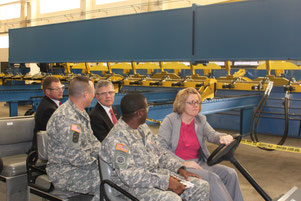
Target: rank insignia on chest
[[75, 137], [122, 147]]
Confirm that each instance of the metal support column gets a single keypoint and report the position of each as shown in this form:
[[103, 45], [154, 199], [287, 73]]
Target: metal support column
[[13, 108], [245, 120]]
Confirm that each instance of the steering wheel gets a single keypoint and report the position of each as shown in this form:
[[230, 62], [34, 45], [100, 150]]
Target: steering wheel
[[220, 154]]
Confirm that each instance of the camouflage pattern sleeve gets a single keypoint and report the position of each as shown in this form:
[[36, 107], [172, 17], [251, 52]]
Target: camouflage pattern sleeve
[[166, 159], [132, 171], [94, 142], [68, 142]]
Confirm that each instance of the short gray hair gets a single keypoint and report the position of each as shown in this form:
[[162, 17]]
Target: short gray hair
[[103, 83]]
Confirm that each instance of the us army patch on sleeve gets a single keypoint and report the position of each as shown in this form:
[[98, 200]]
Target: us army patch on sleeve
[[75, 128], [76, 131], [121, 155], [122, 147]]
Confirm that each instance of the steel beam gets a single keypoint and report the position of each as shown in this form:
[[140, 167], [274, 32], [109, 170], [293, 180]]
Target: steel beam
[[210, 107]]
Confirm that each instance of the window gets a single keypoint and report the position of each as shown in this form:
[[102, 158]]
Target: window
[[10, 11], [99, 2], [7, 1], [47, 6], [4, 41]]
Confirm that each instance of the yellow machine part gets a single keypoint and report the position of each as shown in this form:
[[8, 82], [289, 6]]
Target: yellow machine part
[[206, 68], [99, 67], [206, 86], [2, 75], [60, 77], [175, 66], [278, 65], [246, 86], [208, 90], [149, 66], [126, 67], [296, 87], [238, 74], [78, 66], [278, 81]]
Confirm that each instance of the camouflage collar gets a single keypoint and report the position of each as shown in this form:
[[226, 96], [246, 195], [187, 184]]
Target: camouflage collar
[[84, 114]]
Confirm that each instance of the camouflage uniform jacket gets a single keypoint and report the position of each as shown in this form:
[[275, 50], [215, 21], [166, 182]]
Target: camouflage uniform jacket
[[138, 160], [72, 147]]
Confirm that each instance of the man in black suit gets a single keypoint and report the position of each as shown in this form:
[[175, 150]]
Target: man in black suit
[[103, 116], [53, 90]]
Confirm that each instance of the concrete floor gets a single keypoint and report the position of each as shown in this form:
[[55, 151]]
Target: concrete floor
[[275, 171]]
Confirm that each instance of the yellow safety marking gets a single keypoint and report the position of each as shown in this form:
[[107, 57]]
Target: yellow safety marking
[[271, 146], [153, 120]]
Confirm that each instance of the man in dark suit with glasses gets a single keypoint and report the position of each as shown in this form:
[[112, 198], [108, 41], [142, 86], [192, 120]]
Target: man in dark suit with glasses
[[53, 90], [103, 116]]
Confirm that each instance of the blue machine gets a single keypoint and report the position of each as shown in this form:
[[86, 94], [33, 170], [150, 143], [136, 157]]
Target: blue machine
[[241, 31]]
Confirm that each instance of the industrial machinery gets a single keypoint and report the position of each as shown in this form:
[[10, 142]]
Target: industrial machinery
[[174, 49]]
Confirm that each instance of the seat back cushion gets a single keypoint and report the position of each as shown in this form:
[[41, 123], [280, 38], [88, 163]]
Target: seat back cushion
[[16, 135], [42, 140], [14, 165]]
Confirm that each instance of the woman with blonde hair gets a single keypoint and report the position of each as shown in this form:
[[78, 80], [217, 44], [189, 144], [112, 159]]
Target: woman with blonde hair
[[184, 132]]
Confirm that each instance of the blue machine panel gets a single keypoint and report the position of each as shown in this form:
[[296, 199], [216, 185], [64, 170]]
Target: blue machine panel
[[141, 37], [251, 30]]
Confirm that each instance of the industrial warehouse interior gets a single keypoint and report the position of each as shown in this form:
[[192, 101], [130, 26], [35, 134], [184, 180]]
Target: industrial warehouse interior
[[242, 56]]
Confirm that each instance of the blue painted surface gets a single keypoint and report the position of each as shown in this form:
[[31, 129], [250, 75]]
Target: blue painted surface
[[250, 30], [141, 37], [269, 123]]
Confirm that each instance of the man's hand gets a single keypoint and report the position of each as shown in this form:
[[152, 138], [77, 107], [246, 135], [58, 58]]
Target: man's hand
[[187, 174], [226, 139], [175, 186], [192, 164]]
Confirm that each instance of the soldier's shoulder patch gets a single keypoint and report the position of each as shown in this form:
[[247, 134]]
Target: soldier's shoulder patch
[[75, 128], [122, 147]]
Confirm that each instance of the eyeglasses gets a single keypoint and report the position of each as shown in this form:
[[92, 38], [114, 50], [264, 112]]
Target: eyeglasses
[[57, 88], [106, 93], [193, 103]]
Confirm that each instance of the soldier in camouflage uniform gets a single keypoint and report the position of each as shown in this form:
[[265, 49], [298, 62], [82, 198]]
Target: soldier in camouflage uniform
[[72, 147], [141, 166]]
